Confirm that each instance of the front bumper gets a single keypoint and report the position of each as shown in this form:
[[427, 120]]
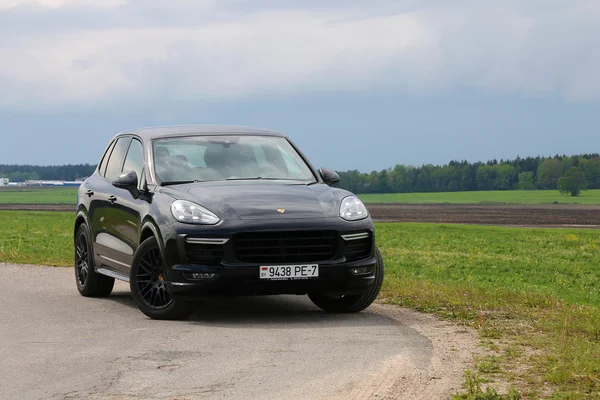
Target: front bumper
[[335, 279], [232, 277]]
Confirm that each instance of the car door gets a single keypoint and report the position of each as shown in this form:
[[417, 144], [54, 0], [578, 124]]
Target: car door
[[126, 209], [91, 197], [109, 248]]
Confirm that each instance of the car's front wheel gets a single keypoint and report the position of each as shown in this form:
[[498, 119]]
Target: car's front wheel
[[89, 282], [351, 303], [149, 288]]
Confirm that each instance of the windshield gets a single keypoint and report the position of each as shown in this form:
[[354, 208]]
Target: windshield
[[219, 158]]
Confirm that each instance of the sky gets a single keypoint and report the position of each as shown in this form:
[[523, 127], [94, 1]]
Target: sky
[[356, 84]]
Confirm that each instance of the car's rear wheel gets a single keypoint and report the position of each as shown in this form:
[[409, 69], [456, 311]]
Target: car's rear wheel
[[89, 282], [352, 303], [149, 287]]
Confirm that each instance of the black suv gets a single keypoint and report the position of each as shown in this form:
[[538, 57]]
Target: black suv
[[191, 211]]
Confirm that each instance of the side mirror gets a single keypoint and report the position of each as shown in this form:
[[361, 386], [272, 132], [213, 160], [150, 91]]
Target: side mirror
[[127, 180], [329, 176]]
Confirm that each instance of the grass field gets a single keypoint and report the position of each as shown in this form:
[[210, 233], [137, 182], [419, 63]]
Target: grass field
[[486, 197], [69, 196], [533, 294], [44, 238], [37, 195]]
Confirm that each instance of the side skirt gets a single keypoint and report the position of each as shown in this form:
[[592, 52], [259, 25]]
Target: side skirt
[[113, 274]]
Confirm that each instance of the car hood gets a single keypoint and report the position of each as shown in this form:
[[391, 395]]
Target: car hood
[[266, 200]]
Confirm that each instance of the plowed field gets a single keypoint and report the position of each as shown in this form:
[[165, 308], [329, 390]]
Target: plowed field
[[516, 215]]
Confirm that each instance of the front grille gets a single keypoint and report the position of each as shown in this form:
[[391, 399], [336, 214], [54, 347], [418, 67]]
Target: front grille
[[285, 247], [204, 254], [358, 249]]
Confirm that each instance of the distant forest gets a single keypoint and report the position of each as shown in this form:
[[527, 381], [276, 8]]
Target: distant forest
[[521, 173], [22, 173]]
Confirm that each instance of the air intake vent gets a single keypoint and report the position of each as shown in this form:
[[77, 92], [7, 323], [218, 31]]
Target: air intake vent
[[358, 246], [285, 247], [205, 251]]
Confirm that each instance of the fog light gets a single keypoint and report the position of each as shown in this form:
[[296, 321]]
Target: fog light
[[202, 275], [361, 270]]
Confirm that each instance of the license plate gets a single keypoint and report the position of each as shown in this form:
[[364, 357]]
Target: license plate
[[281, 272]]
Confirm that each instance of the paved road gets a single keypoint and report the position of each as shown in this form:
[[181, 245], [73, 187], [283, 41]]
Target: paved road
[[55, 344]]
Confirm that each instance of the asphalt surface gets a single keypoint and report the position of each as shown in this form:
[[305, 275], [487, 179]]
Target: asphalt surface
[[55, 344]]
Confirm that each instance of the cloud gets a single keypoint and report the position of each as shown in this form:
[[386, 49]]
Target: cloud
[[240, 49], [9, 4]]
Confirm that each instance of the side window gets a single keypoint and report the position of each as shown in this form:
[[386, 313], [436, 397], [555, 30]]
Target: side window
[[115, 163], [104, 162], [135, 159]]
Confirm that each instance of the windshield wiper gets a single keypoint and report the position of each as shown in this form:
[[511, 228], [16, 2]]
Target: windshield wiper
[[169, 183], [253, 179]]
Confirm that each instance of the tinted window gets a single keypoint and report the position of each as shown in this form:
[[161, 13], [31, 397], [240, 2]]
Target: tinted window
[[135, 158], [115, 163], [102, 167]]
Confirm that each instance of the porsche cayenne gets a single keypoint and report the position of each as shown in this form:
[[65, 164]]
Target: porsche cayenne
[[186, 212]]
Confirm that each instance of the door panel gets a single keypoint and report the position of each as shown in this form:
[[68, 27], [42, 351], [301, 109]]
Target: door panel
[[123, 214], [101, 211], [123, 224], [109, 248]]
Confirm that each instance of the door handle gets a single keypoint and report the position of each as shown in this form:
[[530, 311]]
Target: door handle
[[112, 199], [89, 193]]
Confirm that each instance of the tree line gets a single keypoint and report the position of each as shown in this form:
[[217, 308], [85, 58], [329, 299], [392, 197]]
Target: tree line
[[22, 173], [521, 173]]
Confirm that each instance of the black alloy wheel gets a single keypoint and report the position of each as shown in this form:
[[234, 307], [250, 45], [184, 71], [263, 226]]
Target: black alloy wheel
[[149, 288], [352, 303], [150, 280], [81, 259], [89, 282]]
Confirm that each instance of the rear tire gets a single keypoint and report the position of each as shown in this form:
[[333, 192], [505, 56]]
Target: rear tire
[[89, 282], [352, 303], [148, 285]]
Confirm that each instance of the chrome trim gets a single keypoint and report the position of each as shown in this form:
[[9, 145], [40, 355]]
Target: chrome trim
[[115, 261], [355, 236], [206, 240], [113, 274]]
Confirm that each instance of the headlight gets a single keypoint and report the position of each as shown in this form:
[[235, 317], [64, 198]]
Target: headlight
[[352, 209], [192, 213]]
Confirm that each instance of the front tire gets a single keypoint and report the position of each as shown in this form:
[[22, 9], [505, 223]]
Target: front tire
[[352, 303], [89, 282], [149, 288]]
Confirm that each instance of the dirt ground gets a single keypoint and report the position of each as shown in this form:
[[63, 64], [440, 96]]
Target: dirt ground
[[516, 215], [507, 215], [39, 207]]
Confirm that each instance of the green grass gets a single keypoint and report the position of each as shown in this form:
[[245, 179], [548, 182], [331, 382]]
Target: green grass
[[33, 195], [553, 262], [486, 197], [533, 294], [44, 238]]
